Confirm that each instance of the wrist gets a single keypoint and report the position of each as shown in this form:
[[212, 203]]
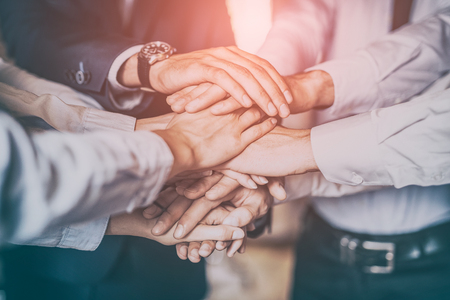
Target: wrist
[[311, 90], [128, 74], [183, 158], [307, 162]]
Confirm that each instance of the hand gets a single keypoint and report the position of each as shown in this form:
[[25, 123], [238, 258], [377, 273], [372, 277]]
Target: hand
[[244, 76], [223, 182], [135, 224], [155, 123], [280, 153], [311, 90], [172, 208], [202, 140]]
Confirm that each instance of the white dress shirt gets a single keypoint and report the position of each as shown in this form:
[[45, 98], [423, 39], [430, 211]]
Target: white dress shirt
[[383, 74], [61, 179]]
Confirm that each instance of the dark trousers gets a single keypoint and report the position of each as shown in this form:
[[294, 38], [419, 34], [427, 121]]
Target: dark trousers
[[143, 270], [421, 272]]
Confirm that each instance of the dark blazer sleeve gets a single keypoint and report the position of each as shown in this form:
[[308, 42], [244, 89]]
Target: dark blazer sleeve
[[51, 38]]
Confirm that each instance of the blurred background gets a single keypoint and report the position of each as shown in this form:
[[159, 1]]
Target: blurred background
[[264, 271]]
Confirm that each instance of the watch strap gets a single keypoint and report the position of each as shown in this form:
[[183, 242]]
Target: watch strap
[[144, 73]]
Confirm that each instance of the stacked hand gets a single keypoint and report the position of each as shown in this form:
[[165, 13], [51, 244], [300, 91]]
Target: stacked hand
[[217, 129]]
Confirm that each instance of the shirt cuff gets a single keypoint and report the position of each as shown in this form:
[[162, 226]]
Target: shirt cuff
[[84, 236], [95, 119], [347, 152], [349, 74], [122, 97]]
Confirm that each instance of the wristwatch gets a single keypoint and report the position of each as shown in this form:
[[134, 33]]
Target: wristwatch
[[150, 54]]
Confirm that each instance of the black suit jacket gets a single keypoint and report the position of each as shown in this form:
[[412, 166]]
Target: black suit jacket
[[51, 37]]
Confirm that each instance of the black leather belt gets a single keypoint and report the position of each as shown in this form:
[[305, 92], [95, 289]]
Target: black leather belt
[[379, 254]]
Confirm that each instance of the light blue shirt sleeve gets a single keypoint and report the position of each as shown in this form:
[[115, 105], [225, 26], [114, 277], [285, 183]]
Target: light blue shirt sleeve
[[53, 179]]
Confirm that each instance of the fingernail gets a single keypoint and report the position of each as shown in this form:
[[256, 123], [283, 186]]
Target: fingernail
[[204, 250], [217, 108], [274, 121], [252, 184], [193, 104], [157, 229], [247, 101], [206, 173], [220, 245], [184, 251], [180, 190], [284, 111], [238, 234], [150, 211], [194, 252], [232, 221], [288, 96], [272, 109], [171, 100], [263, 179], [211, 194], [179, 231]]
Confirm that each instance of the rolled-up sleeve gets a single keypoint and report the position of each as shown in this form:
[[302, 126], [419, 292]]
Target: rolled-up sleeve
[[406, 144]]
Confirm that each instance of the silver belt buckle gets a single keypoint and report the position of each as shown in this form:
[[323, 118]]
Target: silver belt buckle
[[380, 246]]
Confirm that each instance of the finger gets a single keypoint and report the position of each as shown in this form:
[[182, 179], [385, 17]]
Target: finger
[[251, 226], [234, 247], [243, 246], [259, 85], [181, 103], [222, 245], [207, 248], [224, 187], [200, 187], [244, 179], [165, 198], [193, 254], [225, 107], [181, 186], [212, 95], [196, 212], [257, 131], [276, 188], [171, 99], [204, 232], [261, 180], [182, 250], [276, 77], [189, 175], [172, 214], [242, 216]]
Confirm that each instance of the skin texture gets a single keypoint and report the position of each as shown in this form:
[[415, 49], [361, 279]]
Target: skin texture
[[209, 228], [203, 140], [310, 90], [246, 77]]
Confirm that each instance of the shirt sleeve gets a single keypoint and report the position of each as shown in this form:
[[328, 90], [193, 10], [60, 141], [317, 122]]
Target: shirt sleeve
[[299, 35], [124, 98], [59, 114], [55, 179], [392, 69], [406, 144], [85, 236]]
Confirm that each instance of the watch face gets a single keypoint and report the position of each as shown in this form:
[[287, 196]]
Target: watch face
[[154, 48]]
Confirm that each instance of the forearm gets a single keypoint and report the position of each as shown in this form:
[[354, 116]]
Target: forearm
[[72, 178], [379, 148], [392, 69]]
